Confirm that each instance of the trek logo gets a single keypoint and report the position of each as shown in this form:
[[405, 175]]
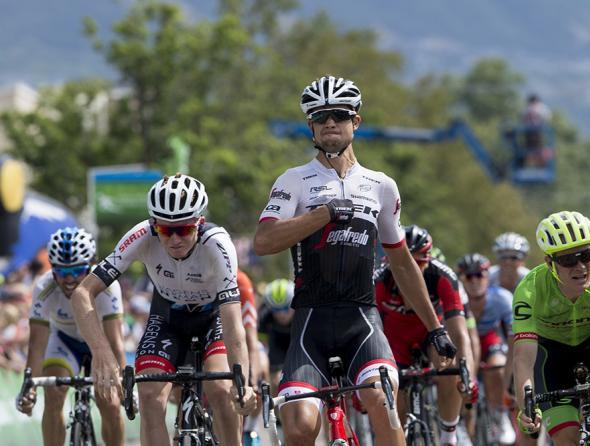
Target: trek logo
[[136, 235], [342, 237], [398, 206], [280, 195], [522, 311]]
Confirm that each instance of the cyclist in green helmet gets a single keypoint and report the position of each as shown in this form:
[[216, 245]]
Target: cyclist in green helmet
[[551, 326]]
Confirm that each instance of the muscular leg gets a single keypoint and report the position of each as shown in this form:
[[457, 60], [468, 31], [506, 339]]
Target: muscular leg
[[153, 397], [226, 422], [568, 436], [374, 400], [449, 402], [494, 380], [301, 423], [52, 423], [112, 421]]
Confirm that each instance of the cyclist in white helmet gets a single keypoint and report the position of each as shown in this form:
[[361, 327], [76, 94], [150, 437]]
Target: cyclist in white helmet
[[511, 250], [330, 213], [193, 266], [56, 347], [552, 324]]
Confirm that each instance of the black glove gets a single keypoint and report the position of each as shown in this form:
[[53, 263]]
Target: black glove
[[443, 345], [341, 210]]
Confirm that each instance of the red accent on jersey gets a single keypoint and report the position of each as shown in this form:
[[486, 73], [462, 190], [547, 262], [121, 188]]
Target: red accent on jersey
[[395, 245], [153, 362], [526, 335]]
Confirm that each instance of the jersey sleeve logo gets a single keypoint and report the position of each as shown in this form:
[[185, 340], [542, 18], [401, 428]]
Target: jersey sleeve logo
[[135, 236], [522, 311], [280, 195]]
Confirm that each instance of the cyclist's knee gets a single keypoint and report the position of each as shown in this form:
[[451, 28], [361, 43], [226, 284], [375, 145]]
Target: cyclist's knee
[[301, 423], [55, 397], [568, 436], [217, 391], [109, 408], [152, 394]]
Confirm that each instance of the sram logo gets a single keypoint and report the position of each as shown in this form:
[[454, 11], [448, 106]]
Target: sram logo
[[137, 234]]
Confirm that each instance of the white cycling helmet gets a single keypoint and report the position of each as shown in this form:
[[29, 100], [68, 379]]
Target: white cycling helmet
[[511, 241], [177, 198], [563, 230], [71, 246], [329, 90]]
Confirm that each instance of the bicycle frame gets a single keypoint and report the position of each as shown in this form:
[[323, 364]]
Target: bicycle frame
[[81, 425], [580, 391], [193, 423], [341, 433]]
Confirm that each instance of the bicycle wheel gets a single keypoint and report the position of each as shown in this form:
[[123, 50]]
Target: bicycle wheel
[[483, 426], [418, 435], [90, 439], [76, 433]]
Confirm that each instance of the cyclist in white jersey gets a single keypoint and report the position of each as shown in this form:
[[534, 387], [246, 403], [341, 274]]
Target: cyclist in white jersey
[[511, 250], [193, 266], [329, 212], [56, 347]]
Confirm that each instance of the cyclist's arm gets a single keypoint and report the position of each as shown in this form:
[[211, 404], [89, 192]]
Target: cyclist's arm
[[273, 236], [234, 335], [113, 329], [457, 330], [85, 313], [411, 283], [525, 354], [38, 339]]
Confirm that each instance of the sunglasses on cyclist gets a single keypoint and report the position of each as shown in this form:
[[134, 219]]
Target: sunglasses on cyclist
[[75, 271], [571, 260], [180, 230], [337, 114], [472, 276], [510, 257]]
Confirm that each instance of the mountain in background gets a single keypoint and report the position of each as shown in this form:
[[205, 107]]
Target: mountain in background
[[547, 41]]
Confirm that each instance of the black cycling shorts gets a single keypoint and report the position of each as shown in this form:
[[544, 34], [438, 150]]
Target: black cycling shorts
[[170, 327]]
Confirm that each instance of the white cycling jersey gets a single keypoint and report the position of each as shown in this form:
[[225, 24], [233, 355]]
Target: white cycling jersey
[[494, 274], [207, 277], [335, 264], [51, 307]]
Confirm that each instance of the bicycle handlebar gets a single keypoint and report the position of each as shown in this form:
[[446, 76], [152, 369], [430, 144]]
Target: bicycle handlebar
[[179, 377], [529, 406]]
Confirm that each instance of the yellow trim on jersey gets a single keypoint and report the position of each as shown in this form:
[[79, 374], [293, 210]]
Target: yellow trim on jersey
[[39, 321], [47, 290], [58, 362]]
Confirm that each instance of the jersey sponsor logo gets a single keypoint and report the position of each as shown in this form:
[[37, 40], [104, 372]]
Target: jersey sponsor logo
[[61, 313], [113, 258], [364, 187], [362, 209], [229, 281], [273, 208], [398, 206], [158, 268], [135, 236], [568, 323], [194, 277], [229, 295], [316, 189], [280, 195], [343, 237], [363, 197], [371, 179], [522, 311], [309, 176], [185, 296], [168, 274], [525, 336], [225, 256], [105, 270]]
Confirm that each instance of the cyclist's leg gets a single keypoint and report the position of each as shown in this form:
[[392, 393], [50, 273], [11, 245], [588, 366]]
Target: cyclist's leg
[[227, 424], [305, 370], [369, 348], [59, 361], [449, 408], [112, 421], [157, 352]]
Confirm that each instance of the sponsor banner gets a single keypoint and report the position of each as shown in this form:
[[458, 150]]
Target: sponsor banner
[[118, 194]]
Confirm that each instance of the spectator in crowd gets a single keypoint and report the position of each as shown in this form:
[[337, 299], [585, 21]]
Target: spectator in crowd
[[535, 117]]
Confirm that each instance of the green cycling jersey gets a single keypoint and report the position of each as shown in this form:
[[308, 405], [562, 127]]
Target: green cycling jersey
[[541, 310]]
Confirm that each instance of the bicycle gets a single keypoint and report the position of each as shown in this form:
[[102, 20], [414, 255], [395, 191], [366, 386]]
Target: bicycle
[[422, 419], [485, 422], [581, 392], [194, 423], [80, 425], [333, 396]]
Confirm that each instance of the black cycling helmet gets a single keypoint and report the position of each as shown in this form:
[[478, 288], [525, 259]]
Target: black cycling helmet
[[473, 263], [418, 239]]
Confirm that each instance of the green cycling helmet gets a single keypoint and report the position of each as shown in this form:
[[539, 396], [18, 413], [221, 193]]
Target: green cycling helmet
[[563, 230]]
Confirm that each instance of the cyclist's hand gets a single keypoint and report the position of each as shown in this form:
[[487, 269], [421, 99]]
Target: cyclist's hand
[[469, 395], [106, 376], [341, 210], [526, 425], [27, 402], [250, 400], [443, 346]]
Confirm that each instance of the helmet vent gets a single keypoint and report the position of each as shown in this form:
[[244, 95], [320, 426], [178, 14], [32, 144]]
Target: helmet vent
[[172, 201]]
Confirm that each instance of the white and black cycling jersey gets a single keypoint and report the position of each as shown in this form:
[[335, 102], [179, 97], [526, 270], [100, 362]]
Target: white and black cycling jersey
[[205, 279], [335, 264]]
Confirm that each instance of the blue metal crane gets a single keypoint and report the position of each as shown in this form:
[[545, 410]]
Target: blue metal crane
[[457, 129]]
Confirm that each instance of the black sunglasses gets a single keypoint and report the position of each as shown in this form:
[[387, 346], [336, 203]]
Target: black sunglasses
[[337, 114], [472, 276], [571, 260], [510, 257]]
